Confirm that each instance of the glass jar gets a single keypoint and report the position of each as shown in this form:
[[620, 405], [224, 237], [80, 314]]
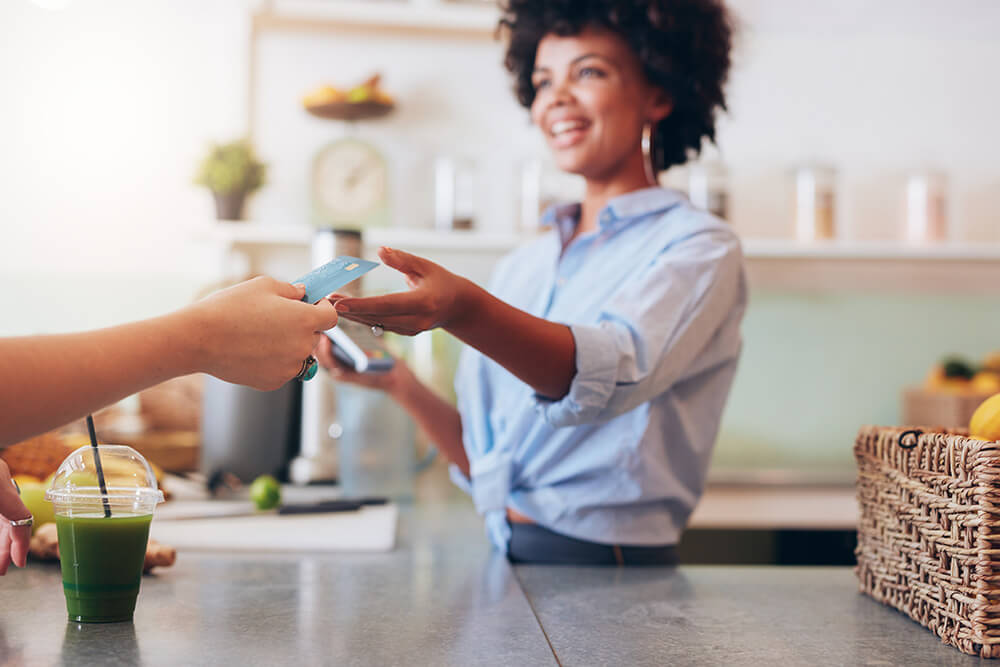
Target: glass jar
[[455, 193], [815, 202], [707, 188], [926, 207], [543, 185]]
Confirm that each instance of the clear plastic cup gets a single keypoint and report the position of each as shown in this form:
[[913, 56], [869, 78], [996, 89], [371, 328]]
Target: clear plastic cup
[[103, 532]]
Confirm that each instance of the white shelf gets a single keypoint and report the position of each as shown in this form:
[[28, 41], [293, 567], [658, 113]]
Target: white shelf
[[771, 263], [867, 266], [250, 234], [395, 15], [870, 250], [256, 233]]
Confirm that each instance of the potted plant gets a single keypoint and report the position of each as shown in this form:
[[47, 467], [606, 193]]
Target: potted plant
[[231, 171]]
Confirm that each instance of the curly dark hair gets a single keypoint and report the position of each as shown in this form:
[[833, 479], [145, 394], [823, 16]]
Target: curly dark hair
[[683, 46]]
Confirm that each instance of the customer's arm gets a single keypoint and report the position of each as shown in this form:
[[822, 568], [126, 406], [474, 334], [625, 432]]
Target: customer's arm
[[256, 333]]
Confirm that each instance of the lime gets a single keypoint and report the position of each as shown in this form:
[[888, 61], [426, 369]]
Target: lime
[[265, 492]]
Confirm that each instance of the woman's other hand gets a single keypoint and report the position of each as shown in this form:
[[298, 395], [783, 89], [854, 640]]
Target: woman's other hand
[[13, 540], [256, 333], [391, 382], [435, 298]]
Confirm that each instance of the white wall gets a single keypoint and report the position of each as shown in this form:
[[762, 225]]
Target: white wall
[[107, 105], [876, 88]]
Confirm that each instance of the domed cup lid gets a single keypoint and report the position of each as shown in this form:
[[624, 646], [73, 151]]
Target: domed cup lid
[[130, 485]]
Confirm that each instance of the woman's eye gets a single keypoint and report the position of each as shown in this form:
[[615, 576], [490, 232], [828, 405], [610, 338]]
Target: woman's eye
[[541, 83], [588, 72]]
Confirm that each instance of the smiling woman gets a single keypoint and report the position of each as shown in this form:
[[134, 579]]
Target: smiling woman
[[679, 50], [599, 360]]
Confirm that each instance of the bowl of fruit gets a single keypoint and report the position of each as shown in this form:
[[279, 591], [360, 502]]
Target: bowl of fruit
[[362, 102]]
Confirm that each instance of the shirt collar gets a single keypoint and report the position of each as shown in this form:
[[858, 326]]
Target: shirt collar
[[619, 210], [637, 204]]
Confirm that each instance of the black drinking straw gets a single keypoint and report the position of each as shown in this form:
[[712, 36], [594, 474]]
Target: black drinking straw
[[100, 470]]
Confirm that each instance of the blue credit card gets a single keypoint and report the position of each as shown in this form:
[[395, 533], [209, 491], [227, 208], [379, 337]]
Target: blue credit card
[[332, 276]]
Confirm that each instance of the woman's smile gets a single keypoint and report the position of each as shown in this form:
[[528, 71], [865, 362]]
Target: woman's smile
[[567, 132]]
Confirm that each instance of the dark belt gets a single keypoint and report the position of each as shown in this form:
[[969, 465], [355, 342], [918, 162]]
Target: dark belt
[[533, 544]]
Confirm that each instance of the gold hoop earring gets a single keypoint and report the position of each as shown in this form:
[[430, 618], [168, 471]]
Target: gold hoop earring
[[647, 153]]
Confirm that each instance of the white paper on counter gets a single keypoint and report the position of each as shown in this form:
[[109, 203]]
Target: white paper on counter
[[372, 528]]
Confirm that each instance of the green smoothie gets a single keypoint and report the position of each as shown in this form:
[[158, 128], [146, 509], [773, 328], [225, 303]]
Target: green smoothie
[[102, 564]]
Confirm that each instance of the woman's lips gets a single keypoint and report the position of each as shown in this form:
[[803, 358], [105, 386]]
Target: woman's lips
[[565, 134]]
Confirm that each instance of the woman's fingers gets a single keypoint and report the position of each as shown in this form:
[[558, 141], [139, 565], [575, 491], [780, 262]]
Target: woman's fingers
[[404, 262], [407, 325], [399, 303], [324, 355]]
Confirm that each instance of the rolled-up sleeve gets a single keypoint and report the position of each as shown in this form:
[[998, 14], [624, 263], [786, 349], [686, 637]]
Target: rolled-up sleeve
[[654, 330]]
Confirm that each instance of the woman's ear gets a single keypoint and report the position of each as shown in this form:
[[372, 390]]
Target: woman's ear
[[660, 105]]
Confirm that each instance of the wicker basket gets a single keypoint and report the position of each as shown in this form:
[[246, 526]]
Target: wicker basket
[[929, 531]]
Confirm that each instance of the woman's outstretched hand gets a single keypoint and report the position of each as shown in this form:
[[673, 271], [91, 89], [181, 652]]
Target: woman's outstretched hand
[[435, 298]]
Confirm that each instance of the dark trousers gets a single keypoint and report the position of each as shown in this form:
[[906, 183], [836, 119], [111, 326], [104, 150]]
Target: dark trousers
[[533, 544]]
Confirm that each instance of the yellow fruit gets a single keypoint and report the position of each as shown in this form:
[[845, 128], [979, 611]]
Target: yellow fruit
[[360, 94], [985, 422], [986, 382], [992, 362], [935, 378], [24, 480], [33, 497], [323, 95]]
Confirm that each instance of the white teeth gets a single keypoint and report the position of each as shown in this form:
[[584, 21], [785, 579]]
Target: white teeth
[[565, 126]]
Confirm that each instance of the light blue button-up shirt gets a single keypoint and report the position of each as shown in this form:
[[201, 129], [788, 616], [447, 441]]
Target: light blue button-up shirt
[[654, 298]]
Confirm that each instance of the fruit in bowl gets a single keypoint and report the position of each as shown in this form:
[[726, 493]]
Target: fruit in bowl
[[365, 100]]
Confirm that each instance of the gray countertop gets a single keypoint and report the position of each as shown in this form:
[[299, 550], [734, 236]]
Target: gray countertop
[[443, 598], [723, 615]]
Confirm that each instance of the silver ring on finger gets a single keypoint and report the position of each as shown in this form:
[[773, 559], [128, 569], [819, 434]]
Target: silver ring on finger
[[19, 523]]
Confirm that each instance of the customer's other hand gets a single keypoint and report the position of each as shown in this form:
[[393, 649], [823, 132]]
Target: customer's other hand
[[13, 541]]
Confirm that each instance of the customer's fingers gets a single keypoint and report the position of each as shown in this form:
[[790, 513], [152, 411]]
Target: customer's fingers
[[4, 547], [288, 290], [19, 542], [11, 506], [326, 315]]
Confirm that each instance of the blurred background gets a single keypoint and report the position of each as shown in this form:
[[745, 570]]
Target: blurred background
[[857, 162]]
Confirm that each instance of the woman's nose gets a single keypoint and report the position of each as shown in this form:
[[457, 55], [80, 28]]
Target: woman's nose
[[559, 94]]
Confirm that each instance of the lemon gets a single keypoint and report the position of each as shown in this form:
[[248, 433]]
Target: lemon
[[986, 382], [985, 422], [265, 492]]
